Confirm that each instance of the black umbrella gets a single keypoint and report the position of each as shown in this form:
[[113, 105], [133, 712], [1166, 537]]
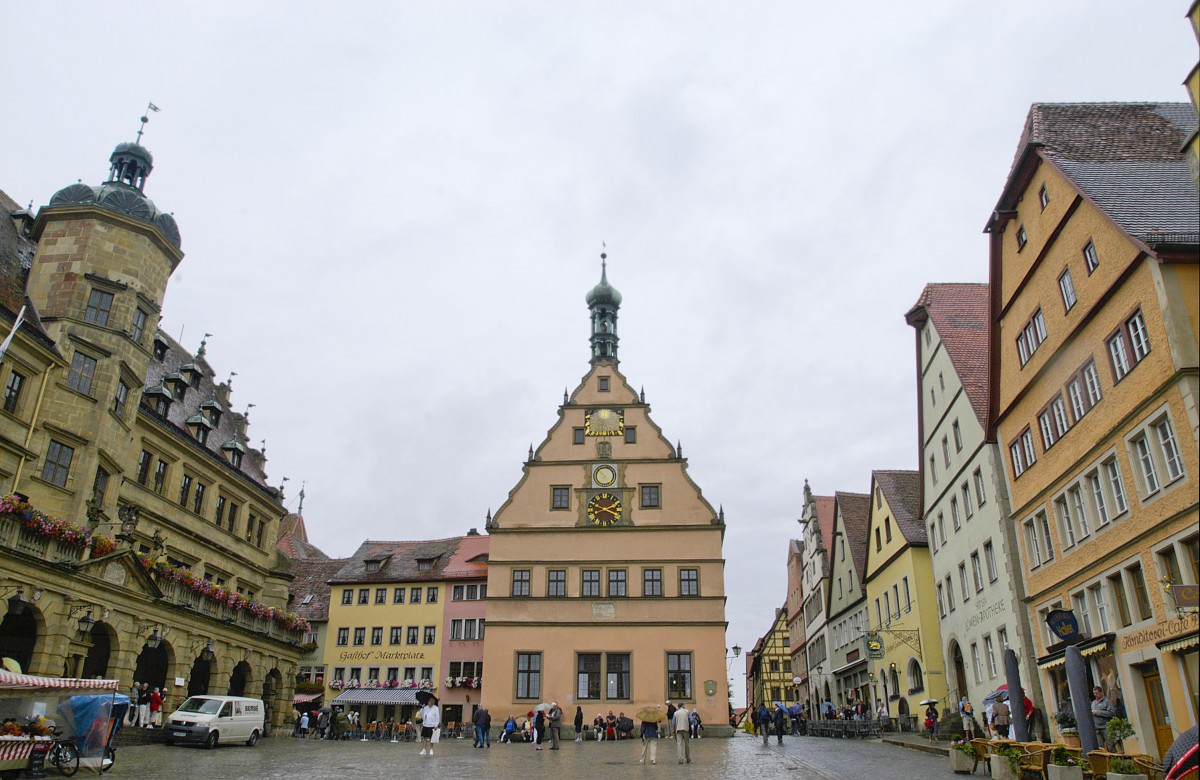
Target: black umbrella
[[424, 697]]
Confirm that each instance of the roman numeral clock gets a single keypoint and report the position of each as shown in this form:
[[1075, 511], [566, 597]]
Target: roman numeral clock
[[604, 506]]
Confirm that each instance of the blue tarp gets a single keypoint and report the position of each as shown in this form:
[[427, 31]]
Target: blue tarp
[[92, 720]]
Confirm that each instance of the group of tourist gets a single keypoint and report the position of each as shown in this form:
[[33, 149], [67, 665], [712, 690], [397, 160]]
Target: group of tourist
[[145, 706]]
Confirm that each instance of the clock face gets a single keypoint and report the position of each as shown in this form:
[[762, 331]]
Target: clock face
[[604, 476], [604, 422], [604, 509]]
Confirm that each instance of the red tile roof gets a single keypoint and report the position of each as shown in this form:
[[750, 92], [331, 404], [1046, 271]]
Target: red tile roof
[[825, 518], [469, 561], [959, 311]]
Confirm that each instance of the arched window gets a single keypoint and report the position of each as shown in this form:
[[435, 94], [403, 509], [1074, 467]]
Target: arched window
[[915, 678]]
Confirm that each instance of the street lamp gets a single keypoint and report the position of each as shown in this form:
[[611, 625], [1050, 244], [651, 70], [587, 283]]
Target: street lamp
[[18, 601]]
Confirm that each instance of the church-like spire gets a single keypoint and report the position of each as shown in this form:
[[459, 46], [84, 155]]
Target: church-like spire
[[603, 300]]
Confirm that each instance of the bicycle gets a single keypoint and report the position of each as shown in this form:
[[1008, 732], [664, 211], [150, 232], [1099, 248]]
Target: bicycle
[[63, 755]]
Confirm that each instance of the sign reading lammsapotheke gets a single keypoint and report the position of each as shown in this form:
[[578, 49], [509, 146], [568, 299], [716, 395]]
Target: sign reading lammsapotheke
[[1164, 630]]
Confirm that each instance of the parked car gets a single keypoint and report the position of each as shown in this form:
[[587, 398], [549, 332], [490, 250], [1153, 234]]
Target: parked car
[[212, 720]]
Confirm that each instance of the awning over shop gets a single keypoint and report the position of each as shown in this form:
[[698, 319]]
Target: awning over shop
[[376, 696], [1097, 644], [305, 698], [1179, 643], [849, 667]]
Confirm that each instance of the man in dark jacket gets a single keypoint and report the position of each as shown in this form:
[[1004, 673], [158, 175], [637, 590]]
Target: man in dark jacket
[[764, 723], [780, 723], [483, 727]]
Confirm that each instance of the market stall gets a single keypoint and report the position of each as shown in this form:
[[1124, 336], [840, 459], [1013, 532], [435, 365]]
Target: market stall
[[30, 706]]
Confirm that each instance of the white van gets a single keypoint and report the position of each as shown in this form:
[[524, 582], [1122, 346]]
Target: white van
[[212, 720]]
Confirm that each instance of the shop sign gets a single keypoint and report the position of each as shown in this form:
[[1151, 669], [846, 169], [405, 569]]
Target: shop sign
[[1186, 596], [1164, 630], [381, 655], [1063, 624], [874, 643]]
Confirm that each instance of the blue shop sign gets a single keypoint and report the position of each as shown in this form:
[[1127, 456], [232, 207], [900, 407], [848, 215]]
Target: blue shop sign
[[1063, 624]]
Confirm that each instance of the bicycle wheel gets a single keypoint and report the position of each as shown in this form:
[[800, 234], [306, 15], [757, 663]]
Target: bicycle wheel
[[67, 759], [110, 758]]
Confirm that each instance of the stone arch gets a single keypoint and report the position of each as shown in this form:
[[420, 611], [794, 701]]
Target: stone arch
[[200, 675], [20, 634], [153, 664], [104, 646], [240, 678], [955, 654], [272, 694]]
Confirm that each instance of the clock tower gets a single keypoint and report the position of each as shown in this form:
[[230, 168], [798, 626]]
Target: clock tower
[[606, 581]]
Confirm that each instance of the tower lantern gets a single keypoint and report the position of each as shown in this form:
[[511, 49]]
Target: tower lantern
[[603, 300]]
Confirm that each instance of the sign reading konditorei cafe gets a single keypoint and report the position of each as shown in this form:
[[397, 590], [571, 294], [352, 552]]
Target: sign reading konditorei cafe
[[1164, 630]]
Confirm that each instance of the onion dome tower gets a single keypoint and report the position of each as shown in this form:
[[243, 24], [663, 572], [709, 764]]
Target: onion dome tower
[[603, 300]]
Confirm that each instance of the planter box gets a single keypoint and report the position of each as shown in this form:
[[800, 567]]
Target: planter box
[[1122, 776], [1002, 769], [1054, 772], [1070, 738], [960, 762]]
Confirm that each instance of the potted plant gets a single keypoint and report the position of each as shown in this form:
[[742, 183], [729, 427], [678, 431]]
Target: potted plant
[[1066, 766], [1123, 769], [1067, 727], [1004, 761], [962, 756], [1116, 732]]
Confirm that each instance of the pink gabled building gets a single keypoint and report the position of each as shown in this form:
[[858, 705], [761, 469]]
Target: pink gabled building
[[465, 609]]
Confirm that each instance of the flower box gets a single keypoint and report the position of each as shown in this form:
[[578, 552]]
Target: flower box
[[1055, 772], [961, 763], [1122, 776], [1002, 769]]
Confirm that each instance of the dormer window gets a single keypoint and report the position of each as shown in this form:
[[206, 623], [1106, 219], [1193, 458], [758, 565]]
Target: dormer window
[[425, 564], [212, 410], [202, 435], [373, 566], [235, 451], [192, 374], [178, 384], [159, 398], [160, 347], [308, 598]]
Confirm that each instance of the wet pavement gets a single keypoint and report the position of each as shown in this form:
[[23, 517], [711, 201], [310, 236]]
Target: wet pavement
[[741, 756]]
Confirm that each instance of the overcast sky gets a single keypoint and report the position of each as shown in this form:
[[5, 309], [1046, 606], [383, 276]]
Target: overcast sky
[[391, 213]]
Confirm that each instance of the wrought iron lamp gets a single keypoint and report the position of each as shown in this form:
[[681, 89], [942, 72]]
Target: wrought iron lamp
[[86, 622], [18, 601]]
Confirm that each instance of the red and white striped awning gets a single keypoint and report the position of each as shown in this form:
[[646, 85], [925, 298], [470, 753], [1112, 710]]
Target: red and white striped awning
[[32, 683]]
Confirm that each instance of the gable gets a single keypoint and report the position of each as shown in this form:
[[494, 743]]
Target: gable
[[119, 570]]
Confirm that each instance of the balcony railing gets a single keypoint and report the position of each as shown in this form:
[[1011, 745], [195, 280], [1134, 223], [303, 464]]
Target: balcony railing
[[16, 536]]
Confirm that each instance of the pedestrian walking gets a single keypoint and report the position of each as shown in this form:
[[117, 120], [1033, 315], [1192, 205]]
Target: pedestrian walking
[[681, 723], [967, 713], [780, 723], [431, 719], [1001, 718], [764, 723], [322, 723], [539, 728], [483, 728], [667, 726], [302, 725], [1102, 712], [931, 721], [649, 742], [156, 703], [143, 702], [579, 724], [554, 723]]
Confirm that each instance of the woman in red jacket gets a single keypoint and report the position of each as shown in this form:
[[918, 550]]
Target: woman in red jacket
[[156, 703]]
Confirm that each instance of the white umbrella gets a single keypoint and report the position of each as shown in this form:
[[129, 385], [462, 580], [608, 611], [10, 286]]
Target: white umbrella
[[543, 707], [929, 701]]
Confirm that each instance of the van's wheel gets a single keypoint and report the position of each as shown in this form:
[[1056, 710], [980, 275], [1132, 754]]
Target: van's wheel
[[253, 738], [212, 740]]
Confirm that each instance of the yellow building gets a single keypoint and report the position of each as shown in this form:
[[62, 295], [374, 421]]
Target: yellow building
[[1094, 366], [112, 432], [383, 640], [769, 678], [900, 598], [606, 581]]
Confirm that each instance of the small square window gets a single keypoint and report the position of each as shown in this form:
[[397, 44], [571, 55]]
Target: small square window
[[631, 434], [1043, 197], [560, 498], [1022, 238], [603, 384], [578, 434], [651, 498]]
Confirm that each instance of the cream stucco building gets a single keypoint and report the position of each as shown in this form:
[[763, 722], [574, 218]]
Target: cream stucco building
[[606, 579]]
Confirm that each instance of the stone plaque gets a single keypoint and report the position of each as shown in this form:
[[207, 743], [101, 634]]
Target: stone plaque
[[115, 573], [604, 610]]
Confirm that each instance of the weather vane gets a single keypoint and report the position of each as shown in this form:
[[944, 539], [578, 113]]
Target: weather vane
[[146, 118]]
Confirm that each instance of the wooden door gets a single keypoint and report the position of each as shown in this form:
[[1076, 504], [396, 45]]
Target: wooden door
[[1158, 711]]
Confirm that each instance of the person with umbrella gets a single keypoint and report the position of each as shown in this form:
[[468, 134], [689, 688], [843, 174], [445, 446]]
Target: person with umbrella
[[650, 718], [539, 724], [780, 722], [431, 719], [1001, 716], [931, 719]]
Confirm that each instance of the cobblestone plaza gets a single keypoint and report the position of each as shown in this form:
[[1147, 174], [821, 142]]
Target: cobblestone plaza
[[742, 756]]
